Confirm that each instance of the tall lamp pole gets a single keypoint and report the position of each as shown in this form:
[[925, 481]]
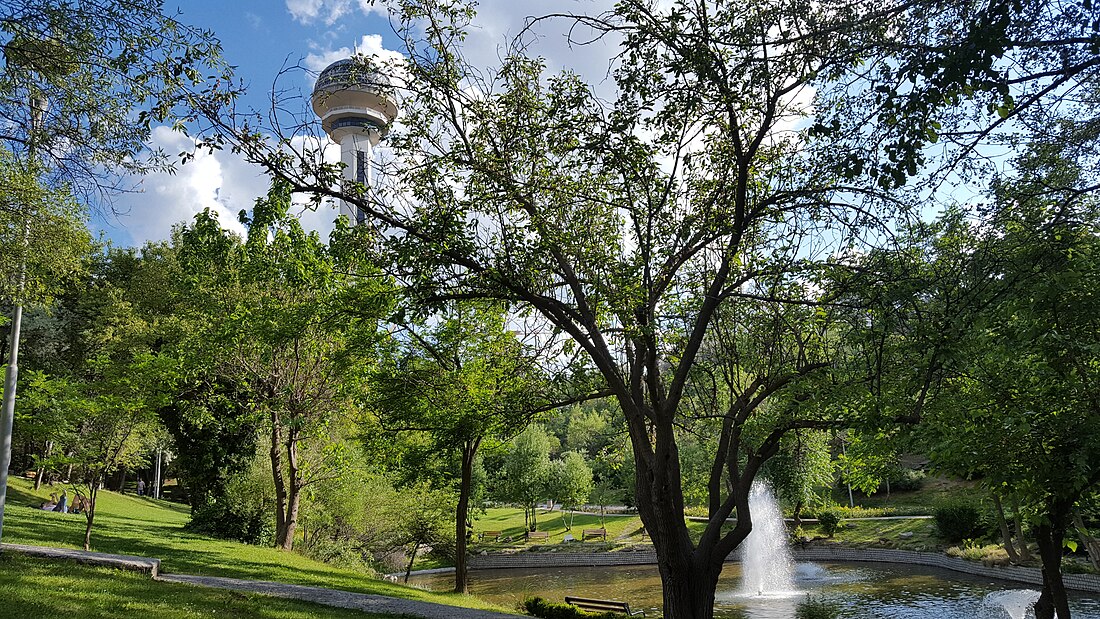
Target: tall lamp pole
[[11, 375]]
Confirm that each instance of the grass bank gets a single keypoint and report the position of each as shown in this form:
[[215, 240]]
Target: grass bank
[[127, 524], [38, 588]]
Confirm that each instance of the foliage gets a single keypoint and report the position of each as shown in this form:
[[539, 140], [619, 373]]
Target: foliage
[[813, 608], [545, 609], [906, 480], [803, 465], [829, 520], [214, 432], [270, 322], [241, 508], [527, 470], [44, 239], [959, 520], [100, 74]]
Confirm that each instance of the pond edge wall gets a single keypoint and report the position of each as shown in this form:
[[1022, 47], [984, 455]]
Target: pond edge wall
[[1027, 575]]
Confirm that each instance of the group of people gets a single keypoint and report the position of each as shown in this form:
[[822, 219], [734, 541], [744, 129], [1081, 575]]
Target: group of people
[[56, 504]]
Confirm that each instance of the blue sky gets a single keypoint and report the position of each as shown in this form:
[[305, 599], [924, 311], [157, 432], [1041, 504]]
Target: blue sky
[[260, 37]]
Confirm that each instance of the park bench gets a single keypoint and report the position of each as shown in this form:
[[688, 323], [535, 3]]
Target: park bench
[[543, 535], [603, 606], [494, 535], [587, 533]]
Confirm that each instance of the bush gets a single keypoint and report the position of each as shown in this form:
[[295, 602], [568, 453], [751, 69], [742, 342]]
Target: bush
[[958, 521], [552, 610], [817, 609], [906, 480], [251, 526], [829, 521]]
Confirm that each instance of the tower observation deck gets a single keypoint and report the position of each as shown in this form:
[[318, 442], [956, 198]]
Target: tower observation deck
[[356, 110]]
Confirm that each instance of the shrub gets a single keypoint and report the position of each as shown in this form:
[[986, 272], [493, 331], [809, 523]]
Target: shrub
[[958, 521], [829, 521], [235, 522], [906, 480], [552, 610], [817, 609]]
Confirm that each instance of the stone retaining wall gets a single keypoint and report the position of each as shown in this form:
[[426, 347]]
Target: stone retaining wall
[[1027, 575]]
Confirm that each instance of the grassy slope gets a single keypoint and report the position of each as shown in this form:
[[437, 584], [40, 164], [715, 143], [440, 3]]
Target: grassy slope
[[126, 524], [510, 522], [38, 588]]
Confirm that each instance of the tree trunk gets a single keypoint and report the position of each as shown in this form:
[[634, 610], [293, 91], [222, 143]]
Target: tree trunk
[[294, 493], [122, 480], [1053, 598], [462, 514], [277, 477], [689, 574], [1018, 524], [89, 513], [1006, 535], [534, 518], [1092, 547], [412, 559], [42, 469]]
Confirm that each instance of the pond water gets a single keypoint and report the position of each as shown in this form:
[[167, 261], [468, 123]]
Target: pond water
[[865, 591]]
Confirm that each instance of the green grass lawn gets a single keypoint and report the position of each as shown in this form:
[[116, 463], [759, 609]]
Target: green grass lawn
[[127, 524], [39, 588], [620, 529]]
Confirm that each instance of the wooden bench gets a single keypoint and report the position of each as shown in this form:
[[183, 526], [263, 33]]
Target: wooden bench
[[543, 535], [494, 535], [603, 606], [587, 533]]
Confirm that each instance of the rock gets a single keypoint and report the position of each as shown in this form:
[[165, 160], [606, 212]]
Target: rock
[[483, 553], [905, 535]]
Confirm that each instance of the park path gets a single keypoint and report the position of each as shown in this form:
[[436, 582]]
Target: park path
[[340, 599], [319, 595]]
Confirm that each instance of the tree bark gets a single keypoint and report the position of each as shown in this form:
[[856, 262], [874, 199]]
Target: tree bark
[[1092, 547], [1018, 524], [462, 514], [412, 559], [89, 513], [1006, 535], [277, 477], [294, 493], [1053, 598], [42, 469]]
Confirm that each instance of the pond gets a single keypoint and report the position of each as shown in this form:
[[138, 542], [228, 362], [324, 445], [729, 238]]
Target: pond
[[865, 591]]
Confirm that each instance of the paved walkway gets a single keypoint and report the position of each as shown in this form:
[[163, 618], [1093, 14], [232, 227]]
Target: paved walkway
[[340, 599], [318, 595], [123, 562]]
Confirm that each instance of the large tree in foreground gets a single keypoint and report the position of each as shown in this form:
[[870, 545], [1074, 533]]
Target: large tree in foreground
[[636, 228]]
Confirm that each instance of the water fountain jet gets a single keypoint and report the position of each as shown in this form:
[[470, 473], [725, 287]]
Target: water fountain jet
[[766, 564]]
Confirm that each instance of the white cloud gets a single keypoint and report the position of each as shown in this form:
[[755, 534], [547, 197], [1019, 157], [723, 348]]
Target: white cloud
[[369, 45], [307, 11], [222, 182]]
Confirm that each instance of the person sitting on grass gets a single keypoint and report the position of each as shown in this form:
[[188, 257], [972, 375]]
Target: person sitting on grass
[[63, 504]]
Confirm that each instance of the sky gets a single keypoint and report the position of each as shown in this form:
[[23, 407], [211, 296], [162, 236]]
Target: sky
[[262, 37]]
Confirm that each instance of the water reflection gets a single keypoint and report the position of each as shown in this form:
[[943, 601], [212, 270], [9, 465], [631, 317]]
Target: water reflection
[[865, 590]]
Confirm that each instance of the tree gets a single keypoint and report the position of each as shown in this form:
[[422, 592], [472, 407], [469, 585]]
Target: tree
[[73, 84], [99, 74], [571, 482], [803, 465], [462, 381], [527, 472], [631, 227], [274, 324], [1026, 377]]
